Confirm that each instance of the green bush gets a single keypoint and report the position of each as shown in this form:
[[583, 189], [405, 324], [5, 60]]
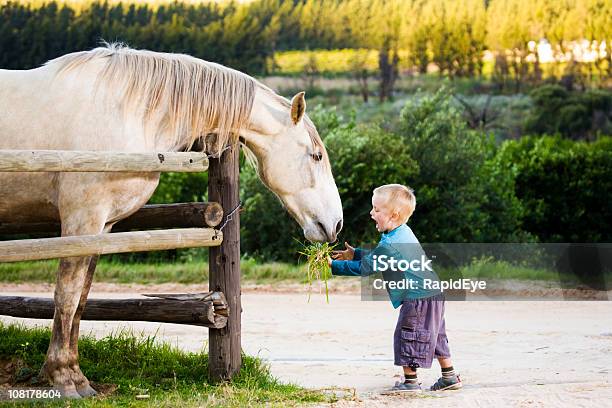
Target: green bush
[[364, 157], [467, 188], [461, 195], [181, 188], [571, 114], [565, 186], [267, 231]]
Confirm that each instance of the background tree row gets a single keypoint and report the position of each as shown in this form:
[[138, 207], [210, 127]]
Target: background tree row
[[451, 36]]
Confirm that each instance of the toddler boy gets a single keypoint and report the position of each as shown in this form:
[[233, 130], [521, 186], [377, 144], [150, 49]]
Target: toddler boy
[[420, 333]]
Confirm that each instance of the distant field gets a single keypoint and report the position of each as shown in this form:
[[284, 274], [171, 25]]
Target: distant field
[[328, 61], [341, 62]]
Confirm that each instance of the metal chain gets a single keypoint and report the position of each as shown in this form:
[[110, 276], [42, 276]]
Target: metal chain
[[229, 216], [217, 156]]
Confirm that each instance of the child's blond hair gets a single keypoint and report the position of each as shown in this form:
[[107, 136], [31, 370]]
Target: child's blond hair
[[399, 198]]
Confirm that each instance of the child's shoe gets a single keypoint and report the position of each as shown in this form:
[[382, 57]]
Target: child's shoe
[[405, 387], [450, 383]]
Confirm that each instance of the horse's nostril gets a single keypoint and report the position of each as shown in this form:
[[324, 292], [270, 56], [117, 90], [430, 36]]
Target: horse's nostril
[[338, 227], [321, 228]]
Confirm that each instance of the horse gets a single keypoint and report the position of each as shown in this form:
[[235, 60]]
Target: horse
[[115, 98]]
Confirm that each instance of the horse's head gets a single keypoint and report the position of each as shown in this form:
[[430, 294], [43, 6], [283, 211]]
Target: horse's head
[[293, 164]]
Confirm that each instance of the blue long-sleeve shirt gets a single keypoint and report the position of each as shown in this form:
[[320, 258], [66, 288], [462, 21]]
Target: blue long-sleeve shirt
[[400, 243]]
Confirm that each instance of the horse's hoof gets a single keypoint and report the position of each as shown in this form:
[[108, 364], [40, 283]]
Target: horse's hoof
[[69, 392], [86, 391]]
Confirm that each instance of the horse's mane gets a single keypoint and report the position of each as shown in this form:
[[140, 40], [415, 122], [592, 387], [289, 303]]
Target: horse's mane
[[193, 97]]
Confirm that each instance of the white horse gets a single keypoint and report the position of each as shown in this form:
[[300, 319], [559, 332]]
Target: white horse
[[118, 99]]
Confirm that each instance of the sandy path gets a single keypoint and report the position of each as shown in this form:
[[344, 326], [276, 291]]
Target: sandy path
[[526, 353]]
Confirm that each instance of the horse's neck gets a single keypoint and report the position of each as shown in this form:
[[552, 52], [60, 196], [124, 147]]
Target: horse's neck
[[266, 119]]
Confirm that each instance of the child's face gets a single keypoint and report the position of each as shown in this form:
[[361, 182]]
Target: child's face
[[384, 216]]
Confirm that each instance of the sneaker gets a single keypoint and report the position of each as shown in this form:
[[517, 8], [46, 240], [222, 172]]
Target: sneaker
[[401, 387], [443, 384]]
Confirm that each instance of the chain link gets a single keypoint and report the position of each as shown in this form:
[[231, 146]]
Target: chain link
[[215, 156], [229, 216]]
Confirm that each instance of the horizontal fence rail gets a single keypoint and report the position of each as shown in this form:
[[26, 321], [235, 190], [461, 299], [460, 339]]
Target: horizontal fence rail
[[200, 309], [180, 215], [102, 161], [84, 245]]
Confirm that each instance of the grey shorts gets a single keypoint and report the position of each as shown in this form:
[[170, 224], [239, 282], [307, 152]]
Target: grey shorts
[[420, 333]]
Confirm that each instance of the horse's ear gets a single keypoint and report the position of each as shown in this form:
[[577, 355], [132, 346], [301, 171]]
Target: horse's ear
[[298, 107]]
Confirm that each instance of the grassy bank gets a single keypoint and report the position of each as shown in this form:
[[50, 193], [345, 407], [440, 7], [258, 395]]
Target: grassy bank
[[196, 272], [179, 272], [125, 365]]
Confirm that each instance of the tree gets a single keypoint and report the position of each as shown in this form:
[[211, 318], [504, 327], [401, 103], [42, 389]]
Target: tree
[[387, 37], [510, 28]]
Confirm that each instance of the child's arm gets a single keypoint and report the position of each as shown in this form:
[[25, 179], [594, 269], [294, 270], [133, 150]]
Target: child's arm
[[346, 268], [362, 263], [346, 262], [353, 267]]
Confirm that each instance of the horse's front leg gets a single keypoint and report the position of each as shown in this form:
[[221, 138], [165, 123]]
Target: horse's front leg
[[80, 381], [74, 279], [59, 366]]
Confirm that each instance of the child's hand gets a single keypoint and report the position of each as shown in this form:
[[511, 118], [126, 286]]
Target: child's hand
[[346, 255], [329, 261]]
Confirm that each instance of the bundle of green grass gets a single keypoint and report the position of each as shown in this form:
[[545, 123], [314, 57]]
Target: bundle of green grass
[[317, 255]]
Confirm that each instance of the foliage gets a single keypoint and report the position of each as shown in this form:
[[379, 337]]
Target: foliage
[[467, 188], [572, 114], [565, 186], [461, 196], [246, 35], [363, 157], [237, 36], [181, 188], [266, 229]]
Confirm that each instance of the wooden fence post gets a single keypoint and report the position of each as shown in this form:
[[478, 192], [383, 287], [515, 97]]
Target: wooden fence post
[[224, 344]]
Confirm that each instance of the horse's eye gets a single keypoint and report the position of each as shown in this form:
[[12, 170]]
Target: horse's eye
[[318, 156]]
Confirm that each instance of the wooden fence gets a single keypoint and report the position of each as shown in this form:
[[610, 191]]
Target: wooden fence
[[183, 225]]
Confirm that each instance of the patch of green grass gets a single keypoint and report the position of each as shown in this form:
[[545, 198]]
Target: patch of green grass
[[491, 269], [487, 268], [141, 365], [194, 271], [505, 270]]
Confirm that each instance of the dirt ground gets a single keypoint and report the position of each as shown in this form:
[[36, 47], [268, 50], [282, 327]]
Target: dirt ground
[[508, 353]]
